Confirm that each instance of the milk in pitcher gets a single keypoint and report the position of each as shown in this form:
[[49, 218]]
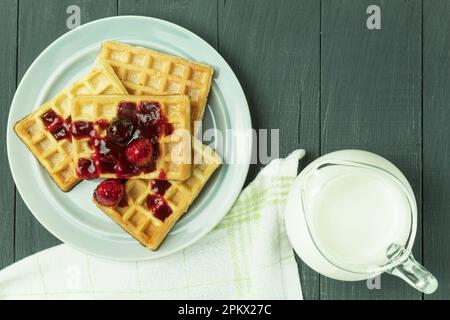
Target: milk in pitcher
[[357, 214]]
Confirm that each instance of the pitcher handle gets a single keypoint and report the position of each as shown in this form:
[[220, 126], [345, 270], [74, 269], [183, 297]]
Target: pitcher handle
[[415, 275]]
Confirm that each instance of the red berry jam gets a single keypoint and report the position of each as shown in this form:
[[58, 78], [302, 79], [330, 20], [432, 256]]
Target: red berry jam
[[151, 120], [102, 124], [62, 132], [56, 125], [140, 152], [162, 175], [86, 169], [169, 129], [135, 127], [120, 131], [51, 120], [127, 110], [109, 192], [82, 129], [124, 201], [160, 186], [158, 206]]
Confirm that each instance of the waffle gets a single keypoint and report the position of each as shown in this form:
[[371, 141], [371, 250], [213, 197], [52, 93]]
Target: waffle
[[135, 217], [148, 72], [56, 155], [175, 108]]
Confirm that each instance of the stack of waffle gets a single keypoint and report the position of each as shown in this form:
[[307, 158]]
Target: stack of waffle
[[68, 134]]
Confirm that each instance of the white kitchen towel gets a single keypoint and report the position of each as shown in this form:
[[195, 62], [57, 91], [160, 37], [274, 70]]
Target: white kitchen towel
[[247, 256]]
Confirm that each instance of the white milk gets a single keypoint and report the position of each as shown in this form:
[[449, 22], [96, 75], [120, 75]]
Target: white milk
[[357, 214]]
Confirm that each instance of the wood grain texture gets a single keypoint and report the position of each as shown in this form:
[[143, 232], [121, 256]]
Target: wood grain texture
[[40, 23], [8, 51], [436, 147], [371, 99], [274, 51], [198, 16]]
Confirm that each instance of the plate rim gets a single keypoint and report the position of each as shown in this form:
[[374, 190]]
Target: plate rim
[[244, 167]]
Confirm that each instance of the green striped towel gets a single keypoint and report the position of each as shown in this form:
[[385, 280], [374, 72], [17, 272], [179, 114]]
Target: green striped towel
[[247, 256]]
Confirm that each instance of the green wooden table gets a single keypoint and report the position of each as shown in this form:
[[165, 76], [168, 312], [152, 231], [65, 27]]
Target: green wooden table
[[308, 67]]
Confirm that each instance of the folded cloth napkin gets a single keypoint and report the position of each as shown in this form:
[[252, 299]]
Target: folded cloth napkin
[[247, 256]]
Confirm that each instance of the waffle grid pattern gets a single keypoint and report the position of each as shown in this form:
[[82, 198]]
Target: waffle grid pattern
[[56, 156], [139, 221], [175, 108], [148, 72]]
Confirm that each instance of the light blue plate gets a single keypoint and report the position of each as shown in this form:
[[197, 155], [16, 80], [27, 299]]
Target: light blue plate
[[71, 216]]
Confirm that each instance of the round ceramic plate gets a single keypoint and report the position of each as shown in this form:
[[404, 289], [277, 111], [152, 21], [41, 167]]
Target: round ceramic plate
[[71, 216]]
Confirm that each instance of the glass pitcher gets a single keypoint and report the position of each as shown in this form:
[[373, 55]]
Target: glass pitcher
[[351, 215]]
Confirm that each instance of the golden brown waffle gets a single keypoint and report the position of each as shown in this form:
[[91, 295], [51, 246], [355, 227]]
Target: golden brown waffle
[[56, 156], [148, 72], [174, 149], [135, 217]]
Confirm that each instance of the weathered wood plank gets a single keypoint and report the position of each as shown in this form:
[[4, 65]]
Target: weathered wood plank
[[436, 148], [40, 23], [371, 99], [198, 16], [274, 51], [8, 51]]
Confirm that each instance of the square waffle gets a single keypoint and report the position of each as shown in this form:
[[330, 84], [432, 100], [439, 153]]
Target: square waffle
[[173, 156], [135, 216], [148, 72], [54, 150]]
